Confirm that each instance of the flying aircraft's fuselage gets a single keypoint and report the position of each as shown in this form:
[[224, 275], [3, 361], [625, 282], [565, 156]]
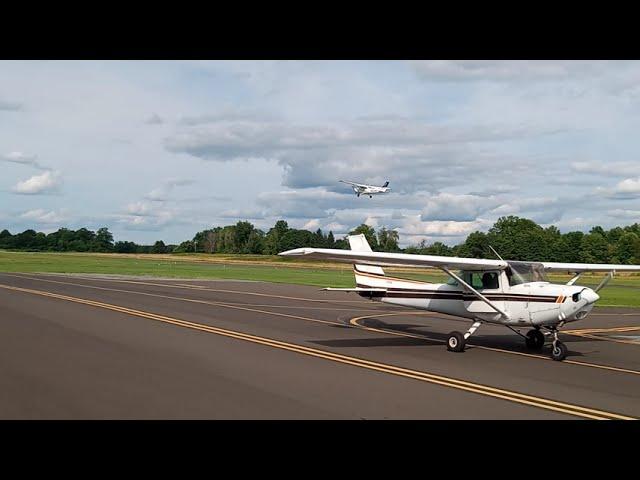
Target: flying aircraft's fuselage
[[370, 190]]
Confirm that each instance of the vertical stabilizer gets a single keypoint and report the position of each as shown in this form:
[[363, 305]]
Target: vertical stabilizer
[[358, 243]]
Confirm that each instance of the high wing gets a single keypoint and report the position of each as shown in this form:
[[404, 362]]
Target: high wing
[[588, 267], [385, 259], [355, 184]]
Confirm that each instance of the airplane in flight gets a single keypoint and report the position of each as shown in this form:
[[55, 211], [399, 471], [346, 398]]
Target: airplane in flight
[[370, 190], [515, 294]]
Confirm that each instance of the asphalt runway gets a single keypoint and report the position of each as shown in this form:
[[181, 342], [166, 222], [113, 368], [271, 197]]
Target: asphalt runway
[[82, 347]]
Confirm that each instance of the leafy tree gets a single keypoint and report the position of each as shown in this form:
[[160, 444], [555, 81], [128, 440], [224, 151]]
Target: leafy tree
[[272, 240], [475, 246], [594, 248], [125, 247], [103, 240], [568, 248], [330, 240], [518, 238], [627, 249], [242, 232], [388, 240], [296, 239], [159, 247]]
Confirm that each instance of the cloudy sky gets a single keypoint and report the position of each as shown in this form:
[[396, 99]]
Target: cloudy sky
[[160, 150]]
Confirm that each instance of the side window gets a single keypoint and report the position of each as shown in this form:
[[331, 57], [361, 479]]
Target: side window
[[489, 280], [476, 281], [482, 280]]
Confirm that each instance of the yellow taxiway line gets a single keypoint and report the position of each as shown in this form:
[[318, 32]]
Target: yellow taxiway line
[[477, 388]]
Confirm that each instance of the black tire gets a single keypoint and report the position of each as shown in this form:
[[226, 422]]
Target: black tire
[[559, 351], [535, 339], [455, 342]]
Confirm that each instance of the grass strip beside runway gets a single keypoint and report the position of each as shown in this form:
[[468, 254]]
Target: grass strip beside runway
[[623, 291]]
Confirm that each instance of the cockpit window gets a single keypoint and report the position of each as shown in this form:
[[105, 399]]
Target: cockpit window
[[525, 272], [478, 280]]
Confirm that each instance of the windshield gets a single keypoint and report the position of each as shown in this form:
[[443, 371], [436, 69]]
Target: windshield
[[525, 272]]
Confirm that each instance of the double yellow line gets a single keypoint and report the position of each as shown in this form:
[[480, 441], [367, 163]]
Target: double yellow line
[[485, 390]]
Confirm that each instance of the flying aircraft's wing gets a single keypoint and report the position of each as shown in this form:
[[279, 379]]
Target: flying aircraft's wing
[[385, 259], [354, 184], [588, 267]]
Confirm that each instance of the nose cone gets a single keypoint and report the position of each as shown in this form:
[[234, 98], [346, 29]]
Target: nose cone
[[590, 296]]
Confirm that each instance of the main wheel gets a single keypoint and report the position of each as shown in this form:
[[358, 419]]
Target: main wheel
[[535, 339], [455, 342], [559, 351]]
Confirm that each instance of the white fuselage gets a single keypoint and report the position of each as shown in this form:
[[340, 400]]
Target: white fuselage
[[370, 190], [526, 304]]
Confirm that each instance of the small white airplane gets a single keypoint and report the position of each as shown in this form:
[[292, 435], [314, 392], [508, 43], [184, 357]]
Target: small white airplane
[[370, 190], [515, 294]]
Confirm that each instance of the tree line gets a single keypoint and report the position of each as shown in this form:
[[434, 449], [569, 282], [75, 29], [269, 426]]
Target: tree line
[[514, 238], [81, 240]]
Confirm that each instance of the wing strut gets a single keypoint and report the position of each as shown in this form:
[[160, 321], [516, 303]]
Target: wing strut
[[604, 281], [476, 293], [574, 279]]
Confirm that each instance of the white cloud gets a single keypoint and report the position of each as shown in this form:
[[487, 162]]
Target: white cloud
[[43, 216], [22, 158], [163, 192], [633, 215], [506, 70], [627, 189], [312, 225], [612, 169], [46, 182], [629, 185], [459, 208], [413, 225], [139, 209]]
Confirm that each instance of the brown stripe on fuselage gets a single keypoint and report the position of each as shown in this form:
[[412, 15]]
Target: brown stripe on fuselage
[[457, 295]]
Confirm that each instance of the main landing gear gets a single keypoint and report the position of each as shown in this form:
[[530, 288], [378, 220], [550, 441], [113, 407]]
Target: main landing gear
[[457, 341], [535, 341]]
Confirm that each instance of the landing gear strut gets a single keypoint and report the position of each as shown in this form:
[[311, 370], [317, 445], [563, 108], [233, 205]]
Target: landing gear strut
[[558, 349], [457, 341], [534, 339]]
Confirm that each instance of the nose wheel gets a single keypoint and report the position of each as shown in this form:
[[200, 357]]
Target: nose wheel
[[558, 349]]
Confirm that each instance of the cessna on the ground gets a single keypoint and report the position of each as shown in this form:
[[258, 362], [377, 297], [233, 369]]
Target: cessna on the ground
[[370, 190], [511, 293]]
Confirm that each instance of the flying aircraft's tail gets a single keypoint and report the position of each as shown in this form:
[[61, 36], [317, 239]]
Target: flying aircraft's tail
[[366, 275], [386, 184]]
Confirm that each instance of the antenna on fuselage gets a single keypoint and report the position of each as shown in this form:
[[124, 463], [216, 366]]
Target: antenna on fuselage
[[496, 253]]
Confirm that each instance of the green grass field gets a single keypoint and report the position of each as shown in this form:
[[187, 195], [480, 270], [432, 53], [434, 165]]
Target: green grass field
[[621, 291]]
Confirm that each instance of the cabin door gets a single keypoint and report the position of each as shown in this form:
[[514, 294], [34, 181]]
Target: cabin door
[[488, 284]]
